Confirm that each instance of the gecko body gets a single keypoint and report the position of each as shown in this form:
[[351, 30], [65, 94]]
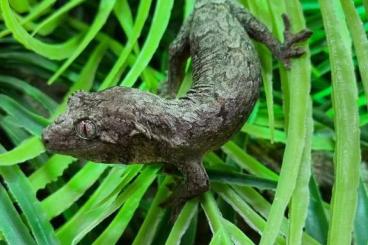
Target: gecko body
[[124, 125]]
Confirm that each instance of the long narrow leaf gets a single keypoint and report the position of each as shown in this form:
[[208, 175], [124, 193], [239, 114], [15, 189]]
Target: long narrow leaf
[[74, 189], [11, 225], [95, 215], [301, 195], [28, 149], [22, 192], [215, 219], [65, 8], [103, 13], [360, 40], [299, 88], [347, 151], [159, 23], [50, 171], [148, 229], [361, 218], [26, 88], [182, 223], [51, 51]]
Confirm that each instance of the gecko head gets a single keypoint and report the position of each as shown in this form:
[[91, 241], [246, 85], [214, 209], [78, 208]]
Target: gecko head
[[88, 130]]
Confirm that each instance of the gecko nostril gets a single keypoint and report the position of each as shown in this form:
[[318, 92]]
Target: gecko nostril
[[45, 138]]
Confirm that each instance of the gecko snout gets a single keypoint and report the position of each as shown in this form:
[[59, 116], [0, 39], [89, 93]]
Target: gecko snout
[[45, 137]]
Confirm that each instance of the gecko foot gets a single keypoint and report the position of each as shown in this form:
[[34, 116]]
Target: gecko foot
[[288, 50], [165, 92], [196, 182]]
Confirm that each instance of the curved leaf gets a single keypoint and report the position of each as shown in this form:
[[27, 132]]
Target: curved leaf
[[11, 225], [28, 149], [30, 90], [58, 13], [142, 15], [51, 51], [159, 22], [103, 13], [50, 171], [22, 192], [63, 198]]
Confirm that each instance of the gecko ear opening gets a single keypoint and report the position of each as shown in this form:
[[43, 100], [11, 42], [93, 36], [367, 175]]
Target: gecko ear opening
[[109, 137], [140, 129]]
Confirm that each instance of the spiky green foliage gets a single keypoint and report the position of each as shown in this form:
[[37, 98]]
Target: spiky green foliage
[[49, 50]]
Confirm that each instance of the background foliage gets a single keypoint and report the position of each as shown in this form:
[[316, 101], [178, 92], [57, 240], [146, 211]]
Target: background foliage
[[306, 118]]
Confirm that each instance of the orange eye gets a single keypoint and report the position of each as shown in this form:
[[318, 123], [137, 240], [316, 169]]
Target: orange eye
[[86, 129]]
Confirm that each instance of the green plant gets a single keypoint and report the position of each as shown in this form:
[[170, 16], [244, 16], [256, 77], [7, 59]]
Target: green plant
[[92, 46]]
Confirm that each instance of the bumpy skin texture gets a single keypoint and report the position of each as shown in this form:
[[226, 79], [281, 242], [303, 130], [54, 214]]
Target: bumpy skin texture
[[124, 125]]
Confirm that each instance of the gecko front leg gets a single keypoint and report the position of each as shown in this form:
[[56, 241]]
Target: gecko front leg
[[179, 52], [195, 183], [259, 32]]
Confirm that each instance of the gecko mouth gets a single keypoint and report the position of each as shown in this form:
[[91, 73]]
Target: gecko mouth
[[59, 144]]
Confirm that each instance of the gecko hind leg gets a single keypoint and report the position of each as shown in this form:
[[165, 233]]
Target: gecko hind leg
[[195, 183], [179, 51]]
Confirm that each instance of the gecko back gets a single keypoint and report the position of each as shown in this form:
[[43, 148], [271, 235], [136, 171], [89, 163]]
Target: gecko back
[[129, 125], [226, 73]]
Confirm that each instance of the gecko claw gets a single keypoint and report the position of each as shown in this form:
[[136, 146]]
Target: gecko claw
[[288, 50], [286, 21]]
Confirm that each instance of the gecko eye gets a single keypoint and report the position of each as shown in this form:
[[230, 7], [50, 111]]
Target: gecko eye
[[86, 129]]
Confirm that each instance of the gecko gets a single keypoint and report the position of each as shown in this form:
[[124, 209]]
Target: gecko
[[127, 125]]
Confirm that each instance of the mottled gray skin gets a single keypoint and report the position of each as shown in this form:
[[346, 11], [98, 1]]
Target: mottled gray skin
[[137, 126]]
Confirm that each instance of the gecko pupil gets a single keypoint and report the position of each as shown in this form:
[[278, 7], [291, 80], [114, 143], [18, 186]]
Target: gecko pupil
[[86, 129]]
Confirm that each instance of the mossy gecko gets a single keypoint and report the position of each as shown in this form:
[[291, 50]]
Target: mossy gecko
[[123, 125]]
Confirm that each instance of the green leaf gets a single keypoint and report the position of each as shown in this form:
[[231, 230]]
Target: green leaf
[[103, 13], [86, 77], [154, 217], [360, 40], [11, 225], [265, 55], [142, 15], [182, 223], [20, 5], [28, 149], [95, 214], [245, 211], [247, 162], [220, 237], [51, 51], [301, 196], [237, 236], [361, 218], [215, 219], [57, 14], [63, 198], [21, 190], [316, 224], [34, 63], [159, 23], [297, 96], [347, 151], [36, 94], [50, 171], [233, 178], [80, 218], [34, 13], [30, 121]]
